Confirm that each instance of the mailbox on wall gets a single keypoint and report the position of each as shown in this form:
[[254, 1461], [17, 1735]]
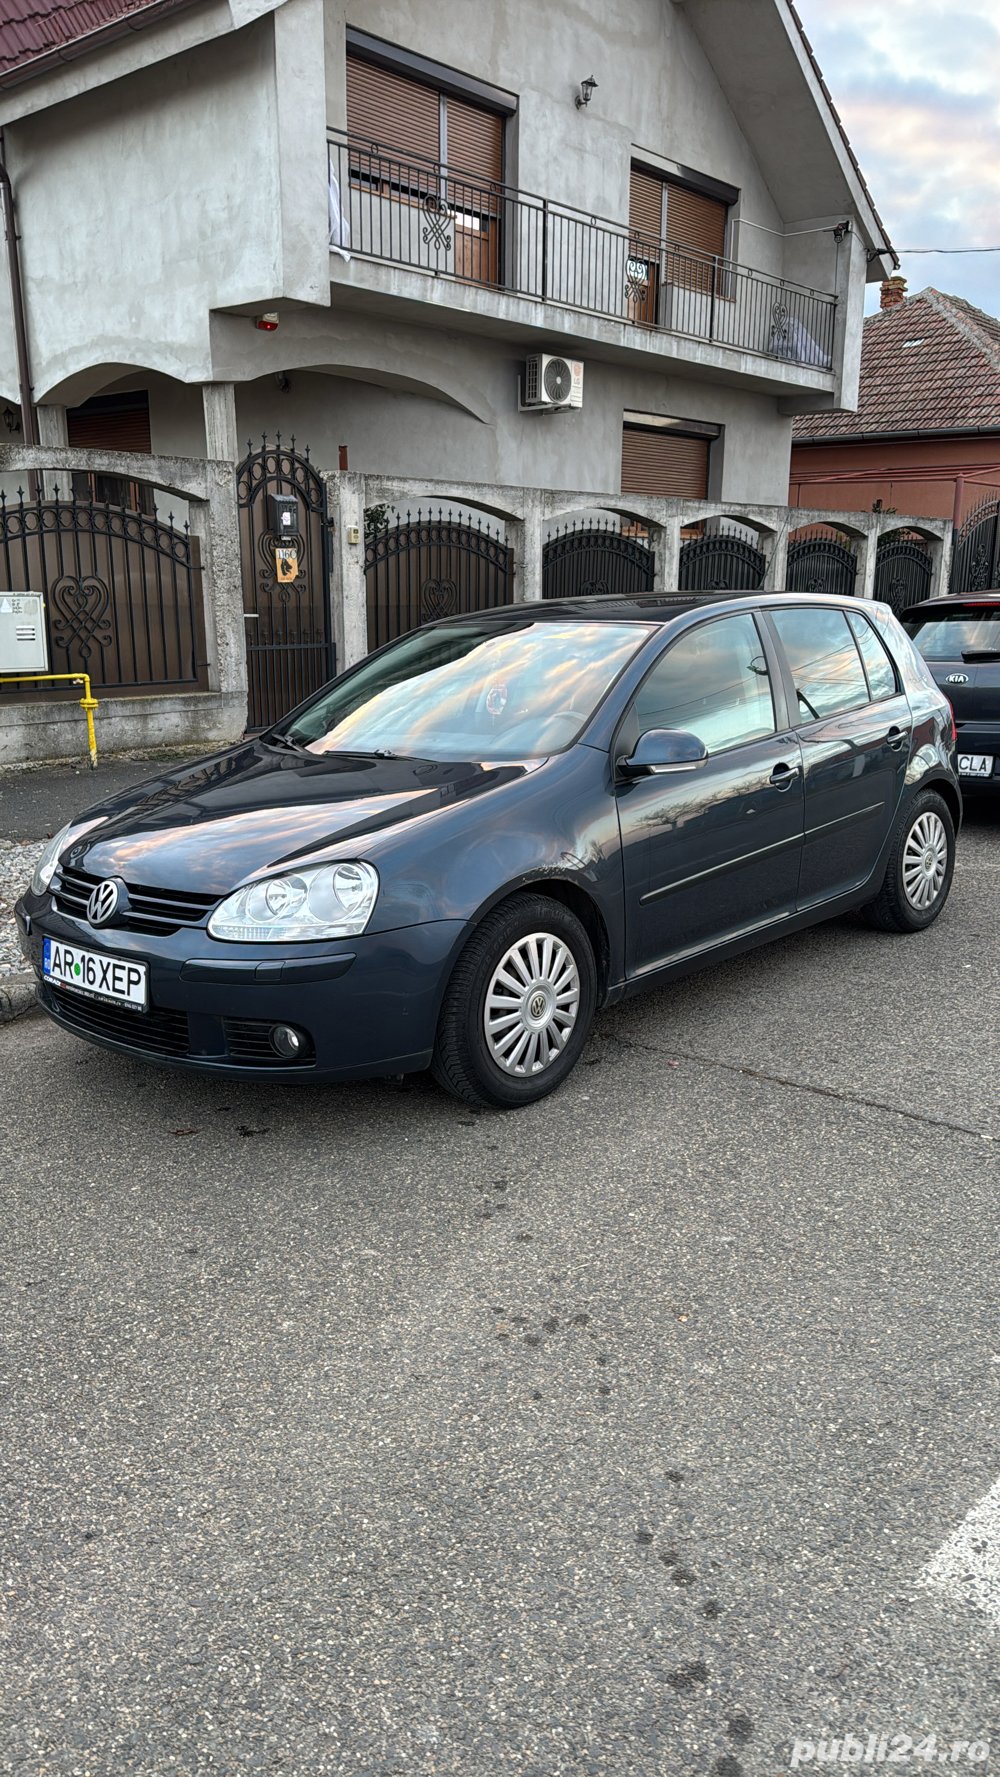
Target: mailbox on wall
[[23, 642], [284, 515]]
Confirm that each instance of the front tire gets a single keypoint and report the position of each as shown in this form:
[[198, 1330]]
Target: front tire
[[519, 1006], [919, 869]]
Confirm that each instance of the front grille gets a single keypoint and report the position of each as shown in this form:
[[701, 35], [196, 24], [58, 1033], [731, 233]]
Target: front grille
[[159, 1031], [151, 910], [250, 1042]]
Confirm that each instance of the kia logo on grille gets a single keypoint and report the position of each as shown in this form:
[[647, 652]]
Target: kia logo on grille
[[107, 899]]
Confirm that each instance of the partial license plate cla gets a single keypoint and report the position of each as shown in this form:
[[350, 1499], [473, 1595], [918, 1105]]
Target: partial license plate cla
[[116, 979], [975, 765]]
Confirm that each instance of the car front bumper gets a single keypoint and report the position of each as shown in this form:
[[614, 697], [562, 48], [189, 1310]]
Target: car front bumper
[[368, 1006]]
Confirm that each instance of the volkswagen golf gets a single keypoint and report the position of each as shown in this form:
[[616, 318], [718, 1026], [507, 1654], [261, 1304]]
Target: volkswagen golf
[[461, 848]]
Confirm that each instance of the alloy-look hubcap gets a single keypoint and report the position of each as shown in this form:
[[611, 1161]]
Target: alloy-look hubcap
[[531, 1005], [925, 861]]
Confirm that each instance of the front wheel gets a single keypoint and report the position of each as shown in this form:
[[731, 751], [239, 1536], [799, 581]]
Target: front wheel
[[519, 1005], [919, 869]]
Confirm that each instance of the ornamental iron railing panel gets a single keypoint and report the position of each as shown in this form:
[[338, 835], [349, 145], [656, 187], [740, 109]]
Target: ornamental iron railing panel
[[586, 560], [975, 564], [821, 562], [430, 566], [290, 651], [902, 572], [122, 590], [428, 217], [720, 563]]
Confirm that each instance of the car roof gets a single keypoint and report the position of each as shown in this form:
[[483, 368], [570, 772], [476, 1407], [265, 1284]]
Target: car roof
[[651, 607], [989, 599]]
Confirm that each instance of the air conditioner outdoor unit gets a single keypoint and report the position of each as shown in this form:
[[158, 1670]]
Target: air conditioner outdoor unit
[[553, 382]]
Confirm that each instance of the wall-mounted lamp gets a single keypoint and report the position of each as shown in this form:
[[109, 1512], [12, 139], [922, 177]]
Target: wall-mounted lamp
[[586, 92], [11, 420]]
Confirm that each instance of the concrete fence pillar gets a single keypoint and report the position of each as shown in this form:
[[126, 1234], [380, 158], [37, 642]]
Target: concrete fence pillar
[[345, 495], [525, 538], [215, 522], [867, 553], [666, 543], [53, 428], [940, 548], [774, 545], [219, 405]]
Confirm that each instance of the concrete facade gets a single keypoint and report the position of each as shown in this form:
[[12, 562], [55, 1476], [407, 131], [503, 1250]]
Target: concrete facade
[[201, 150]]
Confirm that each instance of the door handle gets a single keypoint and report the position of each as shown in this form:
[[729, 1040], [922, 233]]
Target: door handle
[[783, 774], [895, 738], [249, 616]]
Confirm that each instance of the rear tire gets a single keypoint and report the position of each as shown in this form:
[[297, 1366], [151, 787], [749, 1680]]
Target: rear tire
[[519, 1006], [919, 869]]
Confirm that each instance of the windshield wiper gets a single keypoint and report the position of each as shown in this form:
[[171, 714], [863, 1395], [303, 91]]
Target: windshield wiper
[[981, 653], [285, 740]]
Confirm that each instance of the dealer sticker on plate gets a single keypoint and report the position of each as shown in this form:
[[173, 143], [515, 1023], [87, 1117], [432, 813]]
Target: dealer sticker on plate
[[112, 978], [975, 765]]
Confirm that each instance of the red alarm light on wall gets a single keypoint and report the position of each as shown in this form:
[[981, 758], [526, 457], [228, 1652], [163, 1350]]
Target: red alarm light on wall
[[267, 323]]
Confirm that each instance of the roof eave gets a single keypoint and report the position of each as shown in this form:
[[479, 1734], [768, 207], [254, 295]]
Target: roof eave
[[127, 25]]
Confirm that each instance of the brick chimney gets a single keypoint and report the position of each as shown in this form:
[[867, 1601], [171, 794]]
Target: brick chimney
[[893, 292]]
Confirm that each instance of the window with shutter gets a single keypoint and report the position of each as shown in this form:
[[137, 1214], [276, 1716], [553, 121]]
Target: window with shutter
[[112, 422], [696, 224], [395, 124], [664, 462], [645, 222]]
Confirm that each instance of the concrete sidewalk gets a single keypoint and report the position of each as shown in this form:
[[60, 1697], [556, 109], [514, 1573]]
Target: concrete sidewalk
[[35, 801]]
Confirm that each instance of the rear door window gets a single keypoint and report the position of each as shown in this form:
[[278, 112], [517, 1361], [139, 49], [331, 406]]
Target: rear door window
[[878, 667], [823, 657]]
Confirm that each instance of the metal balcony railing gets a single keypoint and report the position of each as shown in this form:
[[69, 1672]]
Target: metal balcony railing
[[427, 217]]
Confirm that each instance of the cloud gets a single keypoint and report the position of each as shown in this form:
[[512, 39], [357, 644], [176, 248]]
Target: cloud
[[918, 88]]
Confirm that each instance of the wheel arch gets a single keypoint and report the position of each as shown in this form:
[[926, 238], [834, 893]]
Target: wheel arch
[[578, 900], [949, 795]]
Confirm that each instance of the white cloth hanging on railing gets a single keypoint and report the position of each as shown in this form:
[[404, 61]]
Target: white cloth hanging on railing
[[340, 228]]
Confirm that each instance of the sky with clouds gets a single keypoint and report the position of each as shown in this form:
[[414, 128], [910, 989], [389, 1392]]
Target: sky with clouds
[[917, 85]]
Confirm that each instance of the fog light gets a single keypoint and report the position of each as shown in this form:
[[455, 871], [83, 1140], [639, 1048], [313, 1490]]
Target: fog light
[[287, 1042]]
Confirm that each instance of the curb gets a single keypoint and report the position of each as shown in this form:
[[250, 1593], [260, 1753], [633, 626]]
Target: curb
[[17, 996]]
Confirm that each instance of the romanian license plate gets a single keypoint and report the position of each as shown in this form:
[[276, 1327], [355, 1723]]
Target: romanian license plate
[[975, 765], [115, 979]]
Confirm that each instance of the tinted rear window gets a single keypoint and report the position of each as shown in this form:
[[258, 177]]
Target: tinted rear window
[[956, 634]]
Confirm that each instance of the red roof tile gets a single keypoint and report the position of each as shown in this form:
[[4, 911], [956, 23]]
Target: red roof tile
[[930, 364], [35, 31]]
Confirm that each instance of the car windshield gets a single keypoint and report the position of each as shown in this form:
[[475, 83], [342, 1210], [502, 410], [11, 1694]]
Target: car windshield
[[954, 635], [472, 691]]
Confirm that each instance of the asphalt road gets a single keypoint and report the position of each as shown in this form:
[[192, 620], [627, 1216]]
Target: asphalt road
[[350, 1431]]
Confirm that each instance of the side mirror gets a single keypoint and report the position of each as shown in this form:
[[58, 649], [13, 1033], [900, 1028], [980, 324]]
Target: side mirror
[[662, 750]]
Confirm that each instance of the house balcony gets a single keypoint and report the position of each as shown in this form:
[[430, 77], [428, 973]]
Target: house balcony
[[493, 253]]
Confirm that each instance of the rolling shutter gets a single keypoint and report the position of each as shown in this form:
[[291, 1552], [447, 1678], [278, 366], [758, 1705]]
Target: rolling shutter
[[399, 114], [664, 463], [475, 142], [111, 422], [645, 205], [695, 221]]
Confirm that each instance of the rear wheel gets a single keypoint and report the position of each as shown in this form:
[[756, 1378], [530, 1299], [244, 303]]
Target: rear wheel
[[519, 1005], [920, 867]]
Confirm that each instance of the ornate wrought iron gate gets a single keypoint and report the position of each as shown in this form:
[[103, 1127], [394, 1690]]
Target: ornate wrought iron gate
[[122, 590], [432, 567], [289, 647], [902, 572], [584, 560], [819, 563], [720, 563], [975, 565]]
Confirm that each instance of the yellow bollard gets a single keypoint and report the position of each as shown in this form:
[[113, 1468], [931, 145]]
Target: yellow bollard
[[88, 702]]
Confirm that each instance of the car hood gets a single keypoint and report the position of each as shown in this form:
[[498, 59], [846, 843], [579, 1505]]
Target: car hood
[[208, 827]]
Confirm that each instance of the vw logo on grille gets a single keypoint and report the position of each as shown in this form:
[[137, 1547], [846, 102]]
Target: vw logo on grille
[[105, 901]]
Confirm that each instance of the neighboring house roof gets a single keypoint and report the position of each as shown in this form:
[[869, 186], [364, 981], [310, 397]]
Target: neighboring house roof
[[35, 34], [928, 364]]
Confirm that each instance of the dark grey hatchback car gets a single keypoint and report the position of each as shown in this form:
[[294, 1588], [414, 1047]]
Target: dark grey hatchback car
[[456, 852]]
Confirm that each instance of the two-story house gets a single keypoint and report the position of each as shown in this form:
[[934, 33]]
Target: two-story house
[[657, 190]]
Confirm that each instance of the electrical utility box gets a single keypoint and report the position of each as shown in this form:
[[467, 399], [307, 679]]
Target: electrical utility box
[[284, 515], [24, 645]]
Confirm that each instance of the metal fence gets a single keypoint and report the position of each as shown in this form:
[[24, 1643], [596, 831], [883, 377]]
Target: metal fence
[[902, 572], [426, 216], [819, 560], [427, 567], [975, 565], [583, 560], [723, 561], [122, 590]]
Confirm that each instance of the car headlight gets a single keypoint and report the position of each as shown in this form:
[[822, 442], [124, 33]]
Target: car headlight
[[327, 901], [45, 868]]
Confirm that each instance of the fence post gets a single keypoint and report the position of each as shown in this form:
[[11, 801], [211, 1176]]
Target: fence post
[[525, 537], [774, 545], [215, 522], [867, 553], [345, 495], [940, 550], [667, 546]]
